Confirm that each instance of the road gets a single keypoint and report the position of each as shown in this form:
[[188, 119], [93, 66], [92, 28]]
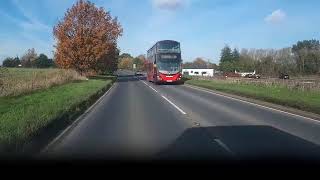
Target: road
[[137, 119]]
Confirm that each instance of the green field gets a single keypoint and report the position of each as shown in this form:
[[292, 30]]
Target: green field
[[304, 100], [22, 117]]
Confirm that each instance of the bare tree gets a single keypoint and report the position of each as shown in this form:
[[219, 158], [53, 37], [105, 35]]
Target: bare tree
[[29, 58]]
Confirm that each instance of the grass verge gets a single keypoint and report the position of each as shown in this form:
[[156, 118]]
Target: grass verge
[[303, 100], [21, 81], [23, 118]]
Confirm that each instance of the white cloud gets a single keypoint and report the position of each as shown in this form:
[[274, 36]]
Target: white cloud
[[35, 25], [32, 23], [31, 33], [169, 4], [276, 16]]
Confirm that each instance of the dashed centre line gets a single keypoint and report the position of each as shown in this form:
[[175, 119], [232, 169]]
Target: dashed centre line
[[174, 105], [165, 98], [150, 86]]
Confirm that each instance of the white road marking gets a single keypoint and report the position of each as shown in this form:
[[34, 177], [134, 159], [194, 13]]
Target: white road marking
[[265, 107], [76, 121], [179, 109], [174, 105], [149, 86], [224, 146]]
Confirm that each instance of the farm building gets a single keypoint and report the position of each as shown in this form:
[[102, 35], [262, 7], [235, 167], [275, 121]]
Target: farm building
[[199, 72]]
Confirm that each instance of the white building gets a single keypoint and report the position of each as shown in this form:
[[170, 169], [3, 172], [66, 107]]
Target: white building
[[198, 72]]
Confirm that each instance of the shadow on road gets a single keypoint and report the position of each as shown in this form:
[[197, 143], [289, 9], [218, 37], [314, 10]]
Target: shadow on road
[[221, 144], [241, 143], [126, 76]]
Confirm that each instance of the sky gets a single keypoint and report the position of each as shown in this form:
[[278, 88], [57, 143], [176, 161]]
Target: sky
[[203, 27]]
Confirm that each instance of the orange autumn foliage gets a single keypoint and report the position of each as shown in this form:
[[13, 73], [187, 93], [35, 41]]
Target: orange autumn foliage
[[85, 36]]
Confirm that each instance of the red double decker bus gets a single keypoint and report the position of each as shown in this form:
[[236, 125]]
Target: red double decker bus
[[164, 64]]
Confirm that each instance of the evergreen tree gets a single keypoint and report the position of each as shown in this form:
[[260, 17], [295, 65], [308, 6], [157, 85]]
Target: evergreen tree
[[235, 55], [226, 54]]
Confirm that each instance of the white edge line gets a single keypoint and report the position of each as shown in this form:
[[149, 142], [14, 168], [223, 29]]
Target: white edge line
[[277, 110], [76, 121], [174, 105]]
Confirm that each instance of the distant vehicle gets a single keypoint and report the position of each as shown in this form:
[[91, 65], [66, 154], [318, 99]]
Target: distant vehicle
[[253, 76], [164, 62], [284, 76], [139, 73]]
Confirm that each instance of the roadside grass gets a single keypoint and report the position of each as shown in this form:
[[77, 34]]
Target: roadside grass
[[19, 81], [303, 100], [23, 117]]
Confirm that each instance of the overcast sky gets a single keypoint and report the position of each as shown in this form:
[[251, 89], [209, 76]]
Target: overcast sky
[[202, 26]]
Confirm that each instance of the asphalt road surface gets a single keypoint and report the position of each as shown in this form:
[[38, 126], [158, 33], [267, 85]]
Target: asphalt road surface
[[137, 119]]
